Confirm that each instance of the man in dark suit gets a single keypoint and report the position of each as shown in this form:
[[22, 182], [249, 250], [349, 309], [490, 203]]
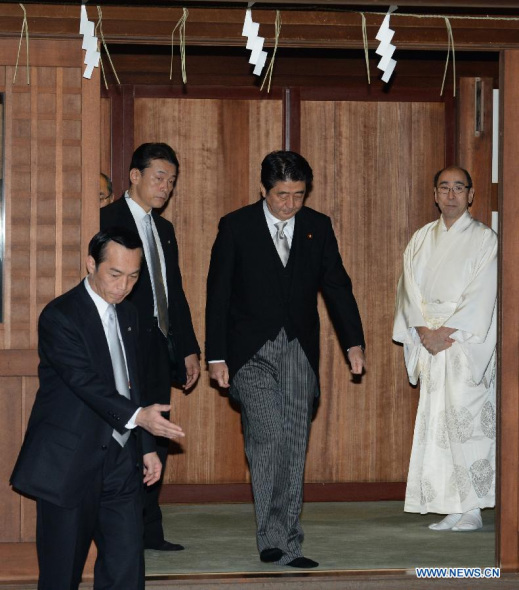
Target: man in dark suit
[[168, 343], [81, 458], [268, 263]]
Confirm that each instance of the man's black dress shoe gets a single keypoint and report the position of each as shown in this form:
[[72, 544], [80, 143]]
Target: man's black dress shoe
[[270, 555], [165, 546], [303, 562]]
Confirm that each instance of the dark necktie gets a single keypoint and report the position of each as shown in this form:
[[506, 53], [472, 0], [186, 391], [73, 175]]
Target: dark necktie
[[118, 364], [281, 242], [157, 281]]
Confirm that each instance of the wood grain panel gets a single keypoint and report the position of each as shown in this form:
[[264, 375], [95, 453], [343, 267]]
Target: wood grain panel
[[43, 190], [27, 506], [11, 429], [88, 181], [210, 26], [373, 166], [105, 138], [220, 144]]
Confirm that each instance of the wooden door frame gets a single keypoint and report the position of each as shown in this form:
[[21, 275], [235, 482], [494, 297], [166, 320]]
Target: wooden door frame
[[507, 542]]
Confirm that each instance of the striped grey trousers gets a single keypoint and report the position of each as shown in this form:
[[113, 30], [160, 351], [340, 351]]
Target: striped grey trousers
[[276, 389]]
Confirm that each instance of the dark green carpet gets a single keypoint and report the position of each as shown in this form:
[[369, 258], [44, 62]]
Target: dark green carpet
[[339, 535]]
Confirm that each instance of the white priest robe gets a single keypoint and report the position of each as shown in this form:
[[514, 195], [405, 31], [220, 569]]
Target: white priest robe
[[450, 279]]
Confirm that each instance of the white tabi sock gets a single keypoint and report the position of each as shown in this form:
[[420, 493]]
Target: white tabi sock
[[447, 523], [470, 521]]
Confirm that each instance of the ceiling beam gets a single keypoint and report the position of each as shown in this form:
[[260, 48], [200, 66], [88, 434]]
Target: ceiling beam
[[340, 29]]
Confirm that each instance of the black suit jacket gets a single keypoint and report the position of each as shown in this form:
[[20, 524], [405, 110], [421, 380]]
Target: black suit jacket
[[248, 301], [181, 326], [77, 405]]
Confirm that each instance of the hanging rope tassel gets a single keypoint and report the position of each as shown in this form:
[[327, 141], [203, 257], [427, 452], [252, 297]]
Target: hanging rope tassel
[[450, 46], [25, 28], [270, 69], [181, 26], [99, 25], [365, 42]]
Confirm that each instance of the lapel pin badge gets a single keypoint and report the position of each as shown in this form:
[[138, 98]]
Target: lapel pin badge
[[309, 236], [129, 328]]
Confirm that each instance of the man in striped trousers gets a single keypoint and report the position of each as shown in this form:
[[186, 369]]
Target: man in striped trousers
[[268, 263]]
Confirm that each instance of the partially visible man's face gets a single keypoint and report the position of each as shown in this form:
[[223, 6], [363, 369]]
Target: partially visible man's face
[[105, 196], [152, 187], [453, 205], [285, 198], [115, 277]]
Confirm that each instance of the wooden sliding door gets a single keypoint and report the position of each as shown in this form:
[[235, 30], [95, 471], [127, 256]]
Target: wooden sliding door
[[373, 164]]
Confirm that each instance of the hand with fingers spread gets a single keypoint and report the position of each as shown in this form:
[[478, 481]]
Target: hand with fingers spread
[[152, 420]]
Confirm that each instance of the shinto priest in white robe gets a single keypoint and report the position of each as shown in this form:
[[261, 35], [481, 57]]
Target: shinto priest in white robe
[[450, 279]]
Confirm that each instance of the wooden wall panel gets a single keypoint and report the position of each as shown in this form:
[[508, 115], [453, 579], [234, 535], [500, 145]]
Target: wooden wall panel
[[51, 170], [106, 136], [43, 196], [373, 167], [220, 145], [28, 506], [11, 428]]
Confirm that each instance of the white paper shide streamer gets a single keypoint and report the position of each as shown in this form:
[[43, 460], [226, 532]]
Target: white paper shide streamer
[[86, 28], [258, 57], [386, 49]]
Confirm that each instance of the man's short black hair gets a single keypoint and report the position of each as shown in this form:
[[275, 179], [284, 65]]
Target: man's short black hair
[[285, 165], [438, 174], [145, 153], [125, 237]]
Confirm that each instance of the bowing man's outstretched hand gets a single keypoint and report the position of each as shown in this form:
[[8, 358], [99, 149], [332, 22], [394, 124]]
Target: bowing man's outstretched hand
[[151, 419]]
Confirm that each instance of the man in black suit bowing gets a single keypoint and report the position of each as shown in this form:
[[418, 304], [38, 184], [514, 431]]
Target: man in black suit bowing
[[268, 263], [81, 458], [168, 343]]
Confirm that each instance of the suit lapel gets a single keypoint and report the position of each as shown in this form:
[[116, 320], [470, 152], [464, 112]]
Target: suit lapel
[[168, 249], [94, 333], [263, 240], [125, 214], [128, 220], [128, 334], [302, 241]]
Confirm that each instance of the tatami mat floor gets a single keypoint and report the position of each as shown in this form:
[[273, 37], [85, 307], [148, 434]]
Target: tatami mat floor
[[339, 535]]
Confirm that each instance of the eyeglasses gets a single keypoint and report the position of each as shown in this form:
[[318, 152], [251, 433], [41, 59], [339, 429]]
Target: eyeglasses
[[456, 189], [103, 198]]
